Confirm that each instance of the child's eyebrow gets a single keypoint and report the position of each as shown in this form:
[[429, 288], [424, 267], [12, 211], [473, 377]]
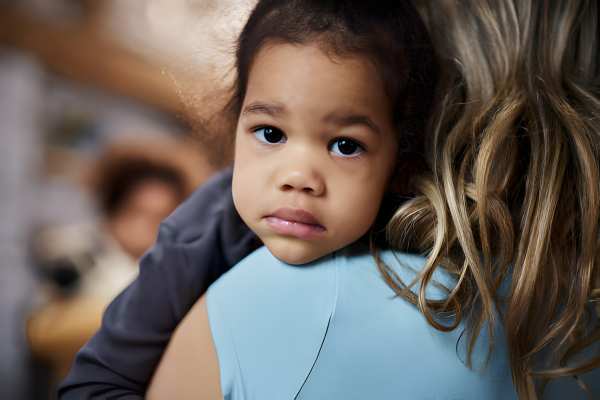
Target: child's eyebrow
[[349, 119], [337, 118], [258, 107]]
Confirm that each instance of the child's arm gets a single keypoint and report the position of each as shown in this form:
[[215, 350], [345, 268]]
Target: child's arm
[[202, 239]]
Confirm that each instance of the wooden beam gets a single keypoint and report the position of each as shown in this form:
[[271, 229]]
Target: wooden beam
[[83, 55]]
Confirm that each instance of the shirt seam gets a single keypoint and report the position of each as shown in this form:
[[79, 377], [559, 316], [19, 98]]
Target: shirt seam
[[331, 316]]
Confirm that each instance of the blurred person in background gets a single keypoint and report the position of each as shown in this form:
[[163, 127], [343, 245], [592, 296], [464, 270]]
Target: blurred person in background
[[136, 189], [84, 266]]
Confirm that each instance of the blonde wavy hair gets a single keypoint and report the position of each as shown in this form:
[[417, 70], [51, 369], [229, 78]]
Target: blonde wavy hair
[[511, 206]]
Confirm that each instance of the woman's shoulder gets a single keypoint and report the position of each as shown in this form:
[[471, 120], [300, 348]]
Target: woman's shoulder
[[367, 268], [263, 314], [261, 288], [280, 330], [263, 277]]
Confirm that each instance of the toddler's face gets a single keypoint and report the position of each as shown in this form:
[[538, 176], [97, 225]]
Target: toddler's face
[[314, 153]]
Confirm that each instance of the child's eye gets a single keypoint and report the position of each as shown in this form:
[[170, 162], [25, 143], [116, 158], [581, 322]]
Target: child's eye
[[270, 135], [345, 147]]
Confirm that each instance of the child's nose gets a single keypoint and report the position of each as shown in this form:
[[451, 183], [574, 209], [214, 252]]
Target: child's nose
[[303, 180]]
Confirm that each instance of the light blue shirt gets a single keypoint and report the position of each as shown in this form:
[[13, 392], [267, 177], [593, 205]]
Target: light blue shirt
[[333, 329]]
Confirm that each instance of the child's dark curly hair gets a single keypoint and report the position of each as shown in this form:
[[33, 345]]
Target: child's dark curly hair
[[122, 169]]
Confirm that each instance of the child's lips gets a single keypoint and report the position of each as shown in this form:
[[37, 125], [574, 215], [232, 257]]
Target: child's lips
[[295, 222]]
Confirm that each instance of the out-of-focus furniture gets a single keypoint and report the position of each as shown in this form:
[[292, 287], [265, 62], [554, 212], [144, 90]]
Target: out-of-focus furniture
[[57, 330]]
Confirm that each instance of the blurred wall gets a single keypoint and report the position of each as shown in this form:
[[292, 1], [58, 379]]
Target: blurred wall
[[20, 84]]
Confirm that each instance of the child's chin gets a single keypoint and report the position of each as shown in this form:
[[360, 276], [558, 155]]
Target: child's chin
[[295, 255]]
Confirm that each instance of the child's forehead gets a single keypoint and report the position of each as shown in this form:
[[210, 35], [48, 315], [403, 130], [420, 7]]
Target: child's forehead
[[273, 49], [298, 75]]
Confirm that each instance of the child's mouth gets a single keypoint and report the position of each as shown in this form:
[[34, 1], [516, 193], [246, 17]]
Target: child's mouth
[[295, 222]]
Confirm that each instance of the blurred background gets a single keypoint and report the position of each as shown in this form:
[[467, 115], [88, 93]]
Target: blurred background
[[108, 119]]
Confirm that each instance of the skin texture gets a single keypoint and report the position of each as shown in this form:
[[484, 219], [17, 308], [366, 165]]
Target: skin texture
[[189, 368], [344, 194], [314, 100]]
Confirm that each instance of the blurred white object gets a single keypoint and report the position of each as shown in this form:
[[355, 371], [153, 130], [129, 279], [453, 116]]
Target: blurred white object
[[83, 260], [197, 34]]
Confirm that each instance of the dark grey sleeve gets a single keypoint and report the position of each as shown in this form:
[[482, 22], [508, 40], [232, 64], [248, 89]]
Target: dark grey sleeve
[[201, 240]]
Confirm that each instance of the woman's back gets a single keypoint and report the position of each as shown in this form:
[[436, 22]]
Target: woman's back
[[333, 329]]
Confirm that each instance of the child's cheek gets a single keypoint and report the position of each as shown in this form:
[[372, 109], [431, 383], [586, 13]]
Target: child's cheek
[[243, 183], [237, 187]]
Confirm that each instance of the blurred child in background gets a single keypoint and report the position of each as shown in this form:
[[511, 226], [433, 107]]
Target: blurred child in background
[[135, 185]]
